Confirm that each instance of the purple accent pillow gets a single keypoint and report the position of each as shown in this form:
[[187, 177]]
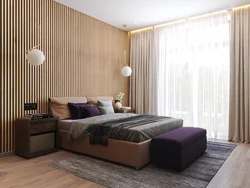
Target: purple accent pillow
[[92, 111], [77, 110]]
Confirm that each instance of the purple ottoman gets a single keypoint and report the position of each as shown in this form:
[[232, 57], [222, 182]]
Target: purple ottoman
[[178, 148]]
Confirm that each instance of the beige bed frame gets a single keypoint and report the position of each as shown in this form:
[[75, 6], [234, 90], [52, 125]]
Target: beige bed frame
[[127, 153]]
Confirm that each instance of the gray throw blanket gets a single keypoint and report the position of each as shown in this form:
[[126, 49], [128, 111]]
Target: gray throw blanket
[[101, 132]]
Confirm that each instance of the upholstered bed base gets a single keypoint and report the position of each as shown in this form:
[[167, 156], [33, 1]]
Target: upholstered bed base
[[128, 153]]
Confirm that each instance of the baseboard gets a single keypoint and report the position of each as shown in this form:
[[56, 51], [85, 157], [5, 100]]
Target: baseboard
[[7, 154]]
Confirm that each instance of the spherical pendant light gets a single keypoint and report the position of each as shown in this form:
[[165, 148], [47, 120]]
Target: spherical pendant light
[[126, 71], [35, 57]]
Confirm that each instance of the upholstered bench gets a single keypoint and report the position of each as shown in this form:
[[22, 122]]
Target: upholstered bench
[[178, 148]]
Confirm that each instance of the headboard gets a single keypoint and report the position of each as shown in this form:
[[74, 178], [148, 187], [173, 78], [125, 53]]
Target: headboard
[[59, 105]]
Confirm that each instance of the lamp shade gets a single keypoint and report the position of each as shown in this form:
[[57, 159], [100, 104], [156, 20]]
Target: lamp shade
[[35, 57], [126, 71]]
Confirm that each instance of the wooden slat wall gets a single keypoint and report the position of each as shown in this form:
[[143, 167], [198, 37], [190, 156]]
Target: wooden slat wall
[[84, 57]]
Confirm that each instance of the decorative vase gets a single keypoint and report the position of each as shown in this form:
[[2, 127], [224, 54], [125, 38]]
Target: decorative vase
[[118, 105]]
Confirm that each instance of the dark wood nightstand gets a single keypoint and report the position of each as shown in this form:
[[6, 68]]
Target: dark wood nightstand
[[36, 137], [124, 110]]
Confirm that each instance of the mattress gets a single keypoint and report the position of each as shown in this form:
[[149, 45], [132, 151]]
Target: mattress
[[79, 129]]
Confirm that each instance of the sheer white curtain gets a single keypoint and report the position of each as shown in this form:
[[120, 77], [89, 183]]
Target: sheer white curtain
[[194, 72], [174, 84]]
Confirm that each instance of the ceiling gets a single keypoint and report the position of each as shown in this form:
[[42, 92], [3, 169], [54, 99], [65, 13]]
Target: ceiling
[[143, 13]]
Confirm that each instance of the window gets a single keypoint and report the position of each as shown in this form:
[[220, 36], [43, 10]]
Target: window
[[194, 72]]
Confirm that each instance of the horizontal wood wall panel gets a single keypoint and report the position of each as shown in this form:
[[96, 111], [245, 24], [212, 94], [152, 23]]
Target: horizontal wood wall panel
[[84, 57]]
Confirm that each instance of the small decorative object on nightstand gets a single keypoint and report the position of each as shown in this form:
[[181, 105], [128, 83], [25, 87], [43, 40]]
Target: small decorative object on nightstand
[[35, 137], [125, 110], [118, 105], [118, 100]]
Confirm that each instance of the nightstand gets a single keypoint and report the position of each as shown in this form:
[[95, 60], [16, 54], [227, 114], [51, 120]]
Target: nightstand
[[36, 137], [124, 110]]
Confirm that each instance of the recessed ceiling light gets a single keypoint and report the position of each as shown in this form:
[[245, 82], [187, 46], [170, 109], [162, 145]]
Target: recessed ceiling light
[[135, 23], [124, 25]]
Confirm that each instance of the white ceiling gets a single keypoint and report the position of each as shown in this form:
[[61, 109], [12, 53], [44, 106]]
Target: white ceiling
[[143, 13]]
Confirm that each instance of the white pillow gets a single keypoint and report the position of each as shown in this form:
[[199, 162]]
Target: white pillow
[[105, 107], [104, 103]]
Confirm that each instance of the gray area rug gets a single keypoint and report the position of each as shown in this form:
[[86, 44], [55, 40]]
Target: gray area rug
[[197, 175]]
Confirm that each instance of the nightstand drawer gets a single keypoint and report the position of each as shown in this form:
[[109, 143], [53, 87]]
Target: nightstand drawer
[[42, 142], [42, 127]]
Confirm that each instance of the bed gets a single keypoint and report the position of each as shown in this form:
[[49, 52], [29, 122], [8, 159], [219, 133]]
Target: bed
[[128, 146]]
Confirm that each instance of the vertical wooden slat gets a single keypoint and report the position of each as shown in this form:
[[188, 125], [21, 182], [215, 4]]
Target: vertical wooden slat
[[3, 73], [1, 69], [81, 58], [13, 82], [9, 57]]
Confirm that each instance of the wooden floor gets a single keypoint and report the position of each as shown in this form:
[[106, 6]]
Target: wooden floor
[[16, 172]]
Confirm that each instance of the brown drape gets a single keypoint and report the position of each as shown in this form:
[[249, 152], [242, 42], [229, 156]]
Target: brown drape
[[143, 87], [239, 122]]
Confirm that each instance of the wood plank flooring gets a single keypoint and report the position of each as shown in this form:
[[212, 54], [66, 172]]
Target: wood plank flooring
[[16, 172]]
